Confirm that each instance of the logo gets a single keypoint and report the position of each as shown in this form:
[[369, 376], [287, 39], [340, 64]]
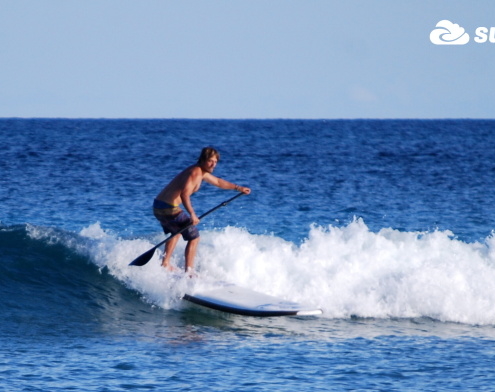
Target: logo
[[448, 33], [485, 34]]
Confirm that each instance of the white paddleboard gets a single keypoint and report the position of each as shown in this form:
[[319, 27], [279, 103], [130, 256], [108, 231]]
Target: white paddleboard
[[238, 300]]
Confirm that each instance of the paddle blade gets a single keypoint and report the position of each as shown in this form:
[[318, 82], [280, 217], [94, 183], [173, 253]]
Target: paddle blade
[[144, 258]]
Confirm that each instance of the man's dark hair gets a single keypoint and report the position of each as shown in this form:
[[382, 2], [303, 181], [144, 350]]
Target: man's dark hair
[[207, 153]]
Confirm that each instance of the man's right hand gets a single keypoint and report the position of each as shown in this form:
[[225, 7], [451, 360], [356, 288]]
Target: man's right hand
[[244, 190]]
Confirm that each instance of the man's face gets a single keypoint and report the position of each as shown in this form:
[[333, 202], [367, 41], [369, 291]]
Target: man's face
[[210, 164]]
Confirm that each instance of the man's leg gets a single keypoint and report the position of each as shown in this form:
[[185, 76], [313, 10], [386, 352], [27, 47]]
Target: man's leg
[[190, 253], [169, 249]]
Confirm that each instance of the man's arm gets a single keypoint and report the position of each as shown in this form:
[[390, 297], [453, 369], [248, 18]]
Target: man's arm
[[190, 187], [223, 184]]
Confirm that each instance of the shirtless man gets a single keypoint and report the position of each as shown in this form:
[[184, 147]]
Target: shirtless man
[[166, 206]]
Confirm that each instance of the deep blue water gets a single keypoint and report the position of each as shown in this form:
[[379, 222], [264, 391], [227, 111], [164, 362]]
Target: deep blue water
[[384, 224]]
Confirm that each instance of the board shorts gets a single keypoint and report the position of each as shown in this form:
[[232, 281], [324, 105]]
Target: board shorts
[[173, 219]]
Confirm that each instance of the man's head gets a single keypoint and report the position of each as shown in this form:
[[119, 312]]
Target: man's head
[[208, 158]]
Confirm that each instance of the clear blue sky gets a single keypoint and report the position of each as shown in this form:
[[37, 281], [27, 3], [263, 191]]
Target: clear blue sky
[[243, 59]]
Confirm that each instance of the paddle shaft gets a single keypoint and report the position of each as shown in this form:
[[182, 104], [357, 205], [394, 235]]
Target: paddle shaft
[[145, 257]]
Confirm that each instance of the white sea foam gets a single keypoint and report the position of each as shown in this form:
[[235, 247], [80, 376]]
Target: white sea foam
[[347, 271]]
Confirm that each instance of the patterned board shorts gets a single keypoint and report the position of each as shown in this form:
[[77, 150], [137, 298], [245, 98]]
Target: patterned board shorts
[[175, 223]]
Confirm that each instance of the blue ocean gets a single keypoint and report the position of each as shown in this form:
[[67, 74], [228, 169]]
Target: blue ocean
[[386, 225]]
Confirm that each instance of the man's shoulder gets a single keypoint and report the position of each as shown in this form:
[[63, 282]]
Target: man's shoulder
[[193, 171]]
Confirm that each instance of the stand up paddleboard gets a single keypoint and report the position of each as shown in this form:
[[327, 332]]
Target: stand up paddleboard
[[238, 300]]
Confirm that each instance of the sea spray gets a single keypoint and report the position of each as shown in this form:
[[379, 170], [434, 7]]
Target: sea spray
[[402, 274]]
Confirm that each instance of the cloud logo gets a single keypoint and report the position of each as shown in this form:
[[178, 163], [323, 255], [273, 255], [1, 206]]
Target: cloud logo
[[448, 33]]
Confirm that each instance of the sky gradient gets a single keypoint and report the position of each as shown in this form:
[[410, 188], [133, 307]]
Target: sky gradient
[[243, 59]]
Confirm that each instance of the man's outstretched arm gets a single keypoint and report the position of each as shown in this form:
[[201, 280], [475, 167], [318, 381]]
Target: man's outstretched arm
[[224, 184]]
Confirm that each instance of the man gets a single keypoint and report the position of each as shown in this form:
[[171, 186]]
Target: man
[[166, 206]]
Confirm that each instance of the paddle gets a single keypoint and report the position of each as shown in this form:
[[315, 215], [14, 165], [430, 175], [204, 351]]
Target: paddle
[[145, 257]]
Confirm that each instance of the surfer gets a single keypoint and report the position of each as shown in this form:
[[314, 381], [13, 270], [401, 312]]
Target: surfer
[[166, 206]]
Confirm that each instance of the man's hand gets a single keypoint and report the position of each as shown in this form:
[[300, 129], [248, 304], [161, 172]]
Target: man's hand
[[244, 190], [194, 219]]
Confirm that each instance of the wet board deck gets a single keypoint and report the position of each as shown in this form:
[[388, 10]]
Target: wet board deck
[[238, 300]]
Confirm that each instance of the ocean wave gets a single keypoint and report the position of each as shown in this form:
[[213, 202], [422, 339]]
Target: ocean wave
[[47, 283], [348, 271]]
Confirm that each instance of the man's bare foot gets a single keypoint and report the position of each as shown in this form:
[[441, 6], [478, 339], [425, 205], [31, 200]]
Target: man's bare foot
[[191, 273], [170, 267]]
